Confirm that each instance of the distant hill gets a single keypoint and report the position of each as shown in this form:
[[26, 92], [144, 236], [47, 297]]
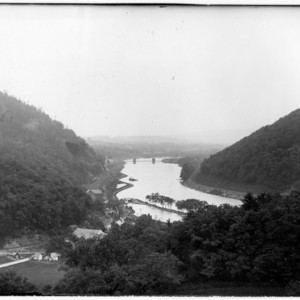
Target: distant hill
[[220, 138], [142, 139], [42, 166], [148, 146], [267, 160]]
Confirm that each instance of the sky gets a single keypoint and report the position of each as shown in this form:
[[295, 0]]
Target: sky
[[131, 70]]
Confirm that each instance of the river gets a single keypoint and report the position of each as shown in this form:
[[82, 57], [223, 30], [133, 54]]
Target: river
[[162, 178]]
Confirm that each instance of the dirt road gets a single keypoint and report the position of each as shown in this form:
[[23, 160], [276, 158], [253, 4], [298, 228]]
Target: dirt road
[[20, 261]]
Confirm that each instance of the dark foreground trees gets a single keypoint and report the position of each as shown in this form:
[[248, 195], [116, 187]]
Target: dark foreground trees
[[13, 284], [257, 243], [130, 260]]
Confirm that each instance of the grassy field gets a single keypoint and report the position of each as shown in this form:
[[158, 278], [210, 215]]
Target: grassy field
[[4, 260], [38, 273]]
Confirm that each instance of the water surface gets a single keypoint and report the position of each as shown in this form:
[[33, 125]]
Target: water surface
[[162, 178]]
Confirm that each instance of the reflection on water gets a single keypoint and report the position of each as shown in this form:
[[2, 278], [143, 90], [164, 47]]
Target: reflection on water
[[162, 178]]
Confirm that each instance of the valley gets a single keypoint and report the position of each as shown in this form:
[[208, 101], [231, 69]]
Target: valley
[[149, 150], [132, 217]]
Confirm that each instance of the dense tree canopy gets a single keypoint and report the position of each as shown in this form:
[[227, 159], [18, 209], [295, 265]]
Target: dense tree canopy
[[41, 166], [13, 284], [190, 204], [269, 158], [256, 243], [160, 199], [189, 165], [130, 260]]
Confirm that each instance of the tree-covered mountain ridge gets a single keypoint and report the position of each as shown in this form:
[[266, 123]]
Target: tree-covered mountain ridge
[[43, 166], [268, 160], [30, 138]]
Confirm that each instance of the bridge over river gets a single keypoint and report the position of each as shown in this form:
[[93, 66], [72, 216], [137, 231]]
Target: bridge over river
[[144, 160]]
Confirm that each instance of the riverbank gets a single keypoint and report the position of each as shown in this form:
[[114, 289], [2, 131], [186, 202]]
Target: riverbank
[[214, 191], [126, 186]]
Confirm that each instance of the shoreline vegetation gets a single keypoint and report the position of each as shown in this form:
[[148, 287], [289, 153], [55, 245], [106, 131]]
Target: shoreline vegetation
[[190, 183], [214, 191], [140, 202]]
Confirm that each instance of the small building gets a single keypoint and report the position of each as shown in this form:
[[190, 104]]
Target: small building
[[121, 221], [54, 256], [96, 194], [37, 256], [89, 233]]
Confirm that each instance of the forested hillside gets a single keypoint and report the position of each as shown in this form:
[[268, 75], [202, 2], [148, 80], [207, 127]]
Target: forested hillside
[[42, 166], [267, 160]]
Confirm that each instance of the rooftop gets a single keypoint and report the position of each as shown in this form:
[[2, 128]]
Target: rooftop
[[88, 233], [97, 191]]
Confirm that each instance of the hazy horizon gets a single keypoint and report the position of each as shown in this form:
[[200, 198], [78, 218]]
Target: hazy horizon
[[216, 72], [221, 137]]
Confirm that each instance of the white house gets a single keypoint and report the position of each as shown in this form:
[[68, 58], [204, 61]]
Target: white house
[[37, 256], [54, 256]]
